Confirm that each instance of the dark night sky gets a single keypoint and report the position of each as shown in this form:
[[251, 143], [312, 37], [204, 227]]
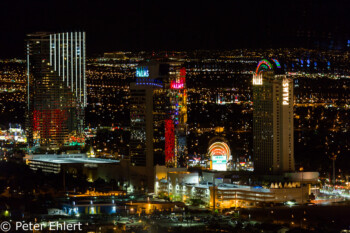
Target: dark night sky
[[167, 25]]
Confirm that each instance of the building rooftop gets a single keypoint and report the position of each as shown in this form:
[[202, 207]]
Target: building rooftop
[[225, 186], [181, 172], [68, 158]]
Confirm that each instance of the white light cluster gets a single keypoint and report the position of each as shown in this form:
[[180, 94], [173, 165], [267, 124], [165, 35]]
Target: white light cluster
[[67, 57], [257, 79]]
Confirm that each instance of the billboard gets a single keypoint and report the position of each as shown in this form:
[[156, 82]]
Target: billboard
[[219, 153], [219, 162]]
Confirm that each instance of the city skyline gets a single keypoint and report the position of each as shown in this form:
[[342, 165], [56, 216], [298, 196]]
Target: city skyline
[[187, 116], [214, 96]]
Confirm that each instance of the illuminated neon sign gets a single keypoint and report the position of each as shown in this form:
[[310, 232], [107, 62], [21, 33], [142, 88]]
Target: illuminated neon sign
[[285, 92], [264, 64], [177, 85], [277, 63], [180, 82], [219, 162], [219, 148], [142, 72], [219, 153]]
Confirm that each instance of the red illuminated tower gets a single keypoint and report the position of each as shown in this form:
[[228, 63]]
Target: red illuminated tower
[[169, 141], [178, 99]]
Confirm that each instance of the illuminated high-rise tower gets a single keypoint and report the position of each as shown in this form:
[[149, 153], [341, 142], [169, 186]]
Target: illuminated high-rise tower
[[149, 108], [56, 89], [178, 119], [273, 139], [158, 114]]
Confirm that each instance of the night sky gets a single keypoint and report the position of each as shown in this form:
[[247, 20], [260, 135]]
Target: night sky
[[179, 25]]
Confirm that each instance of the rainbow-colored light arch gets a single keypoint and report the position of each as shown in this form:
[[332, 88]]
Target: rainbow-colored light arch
[[265, 64], [278, 65]]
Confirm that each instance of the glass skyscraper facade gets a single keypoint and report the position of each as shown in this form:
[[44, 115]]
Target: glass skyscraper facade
[[56, 89]]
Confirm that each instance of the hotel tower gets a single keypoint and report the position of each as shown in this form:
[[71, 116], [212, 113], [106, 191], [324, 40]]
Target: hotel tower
[[273, 141], [56, 89]]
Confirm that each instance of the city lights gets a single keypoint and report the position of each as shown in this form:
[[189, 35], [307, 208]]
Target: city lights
[[158, 120]]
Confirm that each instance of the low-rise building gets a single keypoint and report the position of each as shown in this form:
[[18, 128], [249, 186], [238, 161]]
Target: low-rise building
[[191, 188], [93, 168]]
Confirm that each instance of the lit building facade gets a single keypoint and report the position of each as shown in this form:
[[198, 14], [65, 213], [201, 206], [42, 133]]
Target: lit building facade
[[188, 186], [273, 138], [158, 113], [56, 89], [149, 110], [176, 145], [92, 168]]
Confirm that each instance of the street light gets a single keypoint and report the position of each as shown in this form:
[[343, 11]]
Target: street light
[[333, 157], [301, 169], [302, 191]]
